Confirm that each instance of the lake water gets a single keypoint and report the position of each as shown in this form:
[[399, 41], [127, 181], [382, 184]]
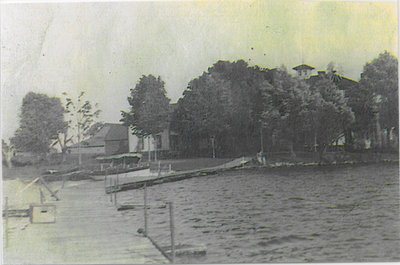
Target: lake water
[[308, 214]]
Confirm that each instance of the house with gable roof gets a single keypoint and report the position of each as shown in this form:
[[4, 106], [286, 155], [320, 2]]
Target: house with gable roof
[[304, 71], [111, 139]]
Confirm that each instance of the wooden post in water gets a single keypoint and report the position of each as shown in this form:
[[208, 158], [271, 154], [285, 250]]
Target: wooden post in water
[[111, 189], [148, 144], [105, 181], [115, 190], [172, 226], [47, 187], [6, 217], [64, 179], [41, 196], [117, 182], [145, 210]]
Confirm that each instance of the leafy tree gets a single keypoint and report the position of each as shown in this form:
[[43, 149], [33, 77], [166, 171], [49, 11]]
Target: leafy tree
[[41, 119], [224, 103], [7, 152], [199, 114], [149, 107], [380, 83], [285, 108], [81, 115], [329, 114], [361, 102], [242, 100]]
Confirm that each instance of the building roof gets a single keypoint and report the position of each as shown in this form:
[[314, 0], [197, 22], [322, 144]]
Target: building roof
[[302, 67], [109, 132], [341, 81], [116, 132]]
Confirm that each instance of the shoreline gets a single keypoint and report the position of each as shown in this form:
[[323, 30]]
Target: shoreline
[[214, 171]]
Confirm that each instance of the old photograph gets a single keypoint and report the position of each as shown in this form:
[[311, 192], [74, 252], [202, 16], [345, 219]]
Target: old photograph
[[199, 132]]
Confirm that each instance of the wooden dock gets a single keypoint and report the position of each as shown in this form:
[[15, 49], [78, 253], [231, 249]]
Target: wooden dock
[[177, 176], [88, 229]]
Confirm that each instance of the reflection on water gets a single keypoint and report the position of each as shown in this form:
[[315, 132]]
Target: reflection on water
[[346, 214]]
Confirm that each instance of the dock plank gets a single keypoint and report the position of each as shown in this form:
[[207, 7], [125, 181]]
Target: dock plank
[[88, 230]]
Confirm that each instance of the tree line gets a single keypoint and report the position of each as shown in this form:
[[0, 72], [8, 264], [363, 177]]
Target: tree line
[[245, 109], [240, 109]]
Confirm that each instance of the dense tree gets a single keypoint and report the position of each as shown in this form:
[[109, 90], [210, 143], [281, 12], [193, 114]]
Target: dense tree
[[199, 114], [379, 82], [285, 108], [329, 114], [149, 107], [41, 120], [362, 104], [225, 104]]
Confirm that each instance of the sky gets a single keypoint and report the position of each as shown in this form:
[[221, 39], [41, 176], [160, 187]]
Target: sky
[[103, 48]]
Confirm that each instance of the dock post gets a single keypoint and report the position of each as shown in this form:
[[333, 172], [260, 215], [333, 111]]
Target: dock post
[[117, 182], [145, 210], [6, 217], [64, 179], [105, 181], [172, 226], [115, 191], [41, 196], [47, 187], [111, 189]]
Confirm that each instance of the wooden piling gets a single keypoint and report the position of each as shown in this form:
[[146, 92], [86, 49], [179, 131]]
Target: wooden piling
[[115, 190], [105, 181], [6, 222], [47, 187], [64, 179], [111, 189], [145, 210], [117, 182], [172, 226], [41, 196]]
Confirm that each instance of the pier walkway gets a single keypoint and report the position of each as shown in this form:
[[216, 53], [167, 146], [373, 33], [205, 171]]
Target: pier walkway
[[88, 230], [135, 180]]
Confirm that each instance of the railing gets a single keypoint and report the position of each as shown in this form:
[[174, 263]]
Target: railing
[[111, 183], [146, 231], [38, 213]]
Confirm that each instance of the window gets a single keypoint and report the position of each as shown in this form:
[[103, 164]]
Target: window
[[158, 141], [141, 143]]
